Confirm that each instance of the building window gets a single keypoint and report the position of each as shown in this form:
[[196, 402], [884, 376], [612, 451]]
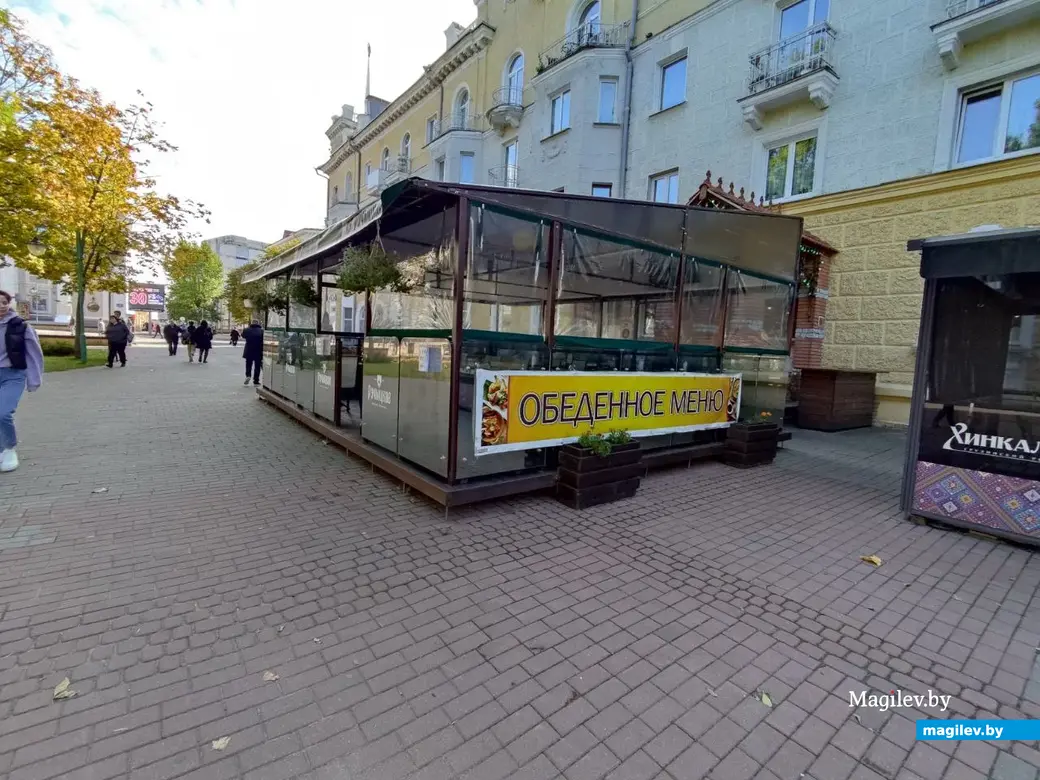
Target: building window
[[461, 119], [335, 195], [348, 187], [431, 129], [561, 113], [791, 169], [467, 166], [406, 146], [664, 187], [440, 169], [511, 172], [601, 190], [515, 81], [607, 101], [39, 304], [589, 20], [673, 83], [385, 163], [1000, 120], [799, 17]]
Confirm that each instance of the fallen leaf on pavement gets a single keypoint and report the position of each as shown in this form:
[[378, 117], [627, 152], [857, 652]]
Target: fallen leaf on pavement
[[220, 744], [99, 490], [270, 676], [871, 559], [764, 698], [62, 690]]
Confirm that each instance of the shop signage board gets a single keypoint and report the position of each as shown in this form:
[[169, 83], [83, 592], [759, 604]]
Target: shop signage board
[[522, 410], [148, 297]]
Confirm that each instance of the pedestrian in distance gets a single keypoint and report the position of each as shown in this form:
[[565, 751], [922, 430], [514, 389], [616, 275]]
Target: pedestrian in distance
[[253, 351], [189, 340], [155, 331], [21, 367], [203, 340], [234, 337], [172, 335], [118, 335]]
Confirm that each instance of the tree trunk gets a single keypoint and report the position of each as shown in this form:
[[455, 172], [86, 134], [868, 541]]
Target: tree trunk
[[81, 294]]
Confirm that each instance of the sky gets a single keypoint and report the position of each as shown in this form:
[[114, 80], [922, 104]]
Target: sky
[[244, 88]]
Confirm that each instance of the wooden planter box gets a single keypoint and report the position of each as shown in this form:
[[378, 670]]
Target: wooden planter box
[[835, 400], [585, 479], [751, 444]]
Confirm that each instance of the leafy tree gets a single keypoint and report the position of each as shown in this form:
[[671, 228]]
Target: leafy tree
[[237, 292], [196, 282], [27, 77], [92, 203], [261, 299]]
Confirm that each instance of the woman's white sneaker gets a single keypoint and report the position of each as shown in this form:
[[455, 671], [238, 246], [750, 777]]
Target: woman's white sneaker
[[8, 461]]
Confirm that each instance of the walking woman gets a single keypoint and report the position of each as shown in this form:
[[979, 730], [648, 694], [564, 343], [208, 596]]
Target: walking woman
[[21, 366], [203, 339]]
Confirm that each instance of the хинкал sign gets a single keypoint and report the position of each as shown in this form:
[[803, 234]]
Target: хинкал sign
[[522, 410]]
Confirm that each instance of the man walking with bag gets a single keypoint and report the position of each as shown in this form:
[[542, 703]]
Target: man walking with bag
[[253, 352]]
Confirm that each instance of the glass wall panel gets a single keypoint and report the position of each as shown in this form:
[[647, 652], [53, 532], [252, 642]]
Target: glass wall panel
[[379, 390], [757, 313], [270, 358], [702, 304], [331, 310], [275, 319], [292, 349], [764, 385], [491, 354], [325, 377], [350, 380], [613, 291], [304, 317], [649, 222], [507, 276], [305, 371], [425, 403], [746, 240], [425, 252], [276, 367]]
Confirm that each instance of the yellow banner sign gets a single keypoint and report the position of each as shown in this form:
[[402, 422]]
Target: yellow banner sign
[[522, 410]]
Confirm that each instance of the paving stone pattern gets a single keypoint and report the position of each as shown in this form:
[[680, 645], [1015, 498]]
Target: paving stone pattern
[[516, 639]]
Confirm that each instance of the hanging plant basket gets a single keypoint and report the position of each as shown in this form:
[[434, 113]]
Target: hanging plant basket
[[302, 293], [367, 269]]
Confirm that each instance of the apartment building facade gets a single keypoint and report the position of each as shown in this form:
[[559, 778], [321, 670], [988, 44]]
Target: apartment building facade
[[876, 120]]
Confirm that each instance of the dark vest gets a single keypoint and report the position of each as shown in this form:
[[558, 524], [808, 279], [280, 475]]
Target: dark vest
[[14, 338]]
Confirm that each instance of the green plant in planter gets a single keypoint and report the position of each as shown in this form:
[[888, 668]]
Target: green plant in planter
[[596, 443], [302, 293], [368, 269], [618, 437]]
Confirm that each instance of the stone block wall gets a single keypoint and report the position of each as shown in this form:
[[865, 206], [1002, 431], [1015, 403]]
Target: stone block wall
[[874, 305]]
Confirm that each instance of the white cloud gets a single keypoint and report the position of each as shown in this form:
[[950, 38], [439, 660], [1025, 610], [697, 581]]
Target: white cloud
[[244, 88]]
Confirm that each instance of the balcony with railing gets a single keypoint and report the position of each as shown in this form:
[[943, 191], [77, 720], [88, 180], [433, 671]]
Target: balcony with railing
[[968, 21], [504, 176], [469, 122], [799, 68], [591, 35], [507, 108], [340, 210], [393, 169]]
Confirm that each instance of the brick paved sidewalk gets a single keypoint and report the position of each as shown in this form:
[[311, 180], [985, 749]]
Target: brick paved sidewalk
[[517, 640]]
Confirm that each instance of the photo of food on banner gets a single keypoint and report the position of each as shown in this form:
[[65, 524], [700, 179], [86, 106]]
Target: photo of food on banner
[[494, 403]]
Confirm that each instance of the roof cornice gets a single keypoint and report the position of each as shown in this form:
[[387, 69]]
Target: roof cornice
[[474, 41]]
